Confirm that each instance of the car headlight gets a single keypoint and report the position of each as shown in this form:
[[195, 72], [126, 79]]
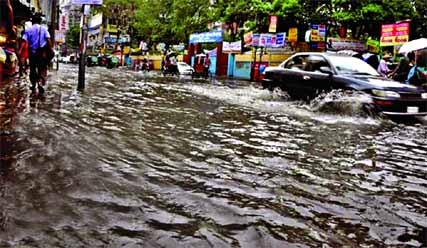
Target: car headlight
[[424, 95], [385, 93]]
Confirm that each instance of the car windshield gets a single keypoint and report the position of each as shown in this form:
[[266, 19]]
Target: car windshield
[[350, 65]]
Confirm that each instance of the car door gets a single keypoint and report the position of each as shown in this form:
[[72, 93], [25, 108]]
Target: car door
[[293, 74], [315, 80]]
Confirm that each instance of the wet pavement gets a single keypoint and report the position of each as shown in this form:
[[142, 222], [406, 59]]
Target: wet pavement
[[139, 160]]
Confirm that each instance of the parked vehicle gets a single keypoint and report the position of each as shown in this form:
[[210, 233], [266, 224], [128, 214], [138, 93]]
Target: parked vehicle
[[185, 69], [112, 61], [306, 75], [199, 66]]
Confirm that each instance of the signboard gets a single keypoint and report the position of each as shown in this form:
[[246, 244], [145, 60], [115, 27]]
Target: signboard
[[232, 47], [278, 40], [112, 28], [293, 35], [95, 21], [273, 24], [255, 40], [59, 36], [91, 2], [207, 37], [394, 34], [248, 39], [265, 40], [63, 22], [318, 33], [346, 44]]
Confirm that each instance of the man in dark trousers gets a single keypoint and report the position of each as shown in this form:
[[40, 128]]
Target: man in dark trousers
[[37, 36]]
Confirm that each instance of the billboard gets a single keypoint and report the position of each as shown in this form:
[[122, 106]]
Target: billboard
[[318, 33], [206, 37], [394, 34], [90, 2], [293, 35], [273, 24]]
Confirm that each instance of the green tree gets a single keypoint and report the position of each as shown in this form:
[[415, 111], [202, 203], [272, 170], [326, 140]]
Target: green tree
[[172, 21], [72, 37]]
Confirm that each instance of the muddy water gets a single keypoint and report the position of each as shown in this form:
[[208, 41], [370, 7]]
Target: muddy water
[[144, 161]]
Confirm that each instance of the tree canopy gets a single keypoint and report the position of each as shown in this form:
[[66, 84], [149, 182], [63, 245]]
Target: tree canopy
[[172, 21]]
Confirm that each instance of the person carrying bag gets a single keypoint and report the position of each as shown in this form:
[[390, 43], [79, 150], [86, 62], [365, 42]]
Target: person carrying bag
[[40, 53]]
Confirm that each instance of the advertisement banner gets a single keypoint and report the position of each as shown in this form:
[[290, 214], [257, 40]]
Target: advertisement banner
[[232, 47], [89, 2], [59, 36], [248, 39], [255, 40], [293, 35], [206, 37], [95, 21], [112, 28], [63, 22], [273, 24], [318, 32], [265, 40], [279, 40], [346, 44], [394, 34]]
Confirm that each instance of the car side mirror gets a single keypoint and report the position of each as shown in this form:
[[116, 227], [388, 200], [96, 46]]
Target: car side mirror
[[326, 69]]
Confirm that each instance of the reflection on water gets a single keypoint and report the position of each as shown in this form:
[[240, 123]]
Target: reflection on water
[[144, 161]]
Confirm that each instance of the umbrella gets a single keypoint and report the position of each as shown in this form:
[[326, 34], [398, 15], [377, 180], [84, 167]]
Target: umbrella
[[413, 45]]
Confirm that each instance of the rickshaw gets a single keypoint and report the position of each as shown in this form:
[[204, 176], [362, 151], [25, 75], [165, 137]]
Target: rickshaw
[[199, 66]]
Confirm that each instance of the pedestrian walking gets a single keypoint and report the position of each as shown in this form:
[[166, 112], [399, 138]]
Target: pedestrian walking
[[206, 64], [37, 37], [23, 55]]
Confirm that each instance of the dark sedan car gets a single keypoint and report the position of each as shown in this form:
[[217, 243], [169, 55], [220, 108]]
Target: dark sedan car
[[305, 75]]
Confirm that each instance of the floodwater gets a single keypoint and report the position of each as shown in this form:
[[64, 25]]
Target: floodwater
[[144, 161]]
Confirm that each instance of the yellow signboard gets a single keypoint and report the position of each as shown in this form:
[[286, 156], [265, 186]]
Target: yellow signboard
[[293, 35], [112, 28]]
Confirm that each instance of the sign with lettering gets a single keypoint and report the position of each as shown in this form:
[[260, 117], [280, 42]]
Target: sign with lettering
[[293, 35], [346, 44], [318, 33], [91, 2], [273, 24], [394, 34], [206, 37]]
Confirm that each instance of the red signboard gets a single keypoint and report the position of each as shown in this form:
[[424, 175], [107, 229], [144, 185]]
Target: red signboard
[[394, 34]]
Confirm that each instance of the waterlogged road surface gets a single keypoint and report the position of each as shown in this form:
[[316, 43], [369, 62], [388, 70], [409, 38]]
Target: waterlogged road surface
[[145, 161]]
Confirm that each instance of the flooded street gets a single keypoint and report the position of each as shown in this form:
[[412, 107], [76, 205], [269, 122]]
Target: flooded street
[[144, 161]]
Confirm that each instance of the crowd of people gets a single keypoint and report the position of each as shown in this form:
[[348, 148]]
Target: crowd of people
[[412, 68]]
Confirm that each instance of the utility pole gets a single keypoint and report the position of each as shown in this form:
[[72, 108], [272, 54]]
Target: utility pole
[[82, 52], [53, 19]]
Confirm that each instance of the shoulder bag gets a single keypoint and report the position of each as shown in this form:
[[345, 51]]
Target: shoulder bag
[[45, 54]]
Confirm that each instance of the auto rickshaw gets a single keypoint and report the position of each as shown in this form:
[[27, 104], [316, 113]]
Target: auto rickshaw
[[199, 66]]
